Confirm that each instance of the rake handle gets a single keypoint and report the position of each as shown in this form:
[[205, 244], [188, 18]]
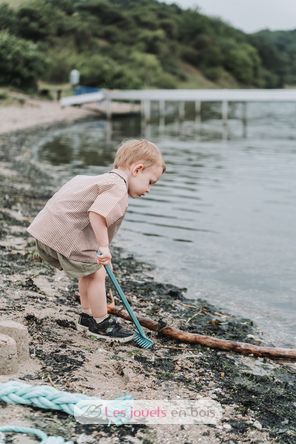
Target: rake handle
[[124, 299]]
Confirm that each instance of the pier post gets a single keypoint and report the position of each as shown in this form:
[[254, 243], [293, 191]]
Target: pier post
[[108, 108], [146, 110], [145, 118], [197, 109], [224, 112], [161, 107], [108, 131], [161, 115], [244, 118], [181, 110]]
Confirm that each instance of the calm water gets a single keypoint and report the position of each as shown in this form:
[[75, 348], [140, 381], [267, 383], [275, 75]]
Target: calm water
[[221, 222]]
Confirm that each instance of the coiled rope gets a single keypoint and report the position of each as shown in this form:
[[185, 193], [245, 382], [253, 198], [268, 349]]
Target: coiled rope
[[44, 397], [31, 431], [41, 396]]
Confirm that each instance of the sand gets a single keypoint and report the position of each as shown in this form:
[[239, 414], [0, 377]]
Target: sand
[[36, 113]]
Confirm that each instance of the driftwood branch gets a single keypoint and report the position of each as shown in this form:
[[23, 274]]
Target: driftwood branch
[[209, 341]]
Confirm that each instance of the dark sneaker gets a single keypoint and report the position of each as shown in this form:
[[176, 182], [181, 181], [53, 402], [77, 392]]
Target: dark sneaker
[[110, 330], [84, 321]]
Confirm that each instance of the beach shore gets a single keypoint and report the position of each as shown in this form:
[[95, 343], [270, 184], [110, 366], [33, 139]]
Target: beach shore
[[35, 113], [256, 394]]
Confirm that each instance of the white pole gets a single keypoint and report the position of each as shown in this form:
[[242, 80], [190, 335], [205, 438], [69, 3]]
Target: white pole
[[244, 118], [161, 115], [224, 112], [146, 110], [197, 108], [181, 110], [108, 108]]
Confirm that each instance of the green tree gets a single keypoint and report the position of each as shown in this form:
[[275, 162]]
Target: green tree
[[151, 41], [102, 71], [38, 20], [21, 62], [150, 71], [274, 56], [242, 61], [8, 20]]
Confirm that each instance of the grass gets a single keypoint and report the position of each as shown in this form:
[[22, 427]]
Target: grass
[[195, 79], [10, 97]]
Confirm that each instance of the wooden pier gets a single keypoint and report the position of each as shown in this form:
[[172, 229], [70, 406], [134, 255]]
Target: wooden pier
[[181, 96]]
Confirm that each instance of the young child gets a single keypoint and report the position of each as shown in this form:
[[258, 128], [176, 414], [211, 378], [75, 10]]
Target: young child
[[83, 216]]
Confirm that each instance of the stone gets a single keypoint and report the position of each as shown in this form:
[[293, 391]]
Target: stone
[[19, 333], [257, 425], [8, 353]]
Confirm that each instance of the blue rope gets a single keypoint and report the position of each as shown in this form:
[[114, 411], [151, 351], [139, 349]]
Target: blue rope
[[44, 397], [31, 431]]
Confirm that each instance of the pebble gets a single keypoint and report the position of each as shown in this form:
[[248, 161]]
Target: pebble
[[257, 425]]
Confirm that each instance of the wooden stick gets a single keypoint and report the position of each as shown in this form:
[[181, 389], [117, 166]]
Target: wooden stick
[[209, 341]]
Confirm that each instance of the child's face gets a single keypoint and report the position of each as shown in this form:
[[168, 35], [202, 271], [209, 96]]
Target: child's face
[[142, 178]]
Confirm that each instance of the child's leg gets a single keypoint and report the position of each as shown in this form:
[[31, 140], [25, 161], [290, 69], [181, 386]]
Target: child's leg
[[82, 285], [93, 293]]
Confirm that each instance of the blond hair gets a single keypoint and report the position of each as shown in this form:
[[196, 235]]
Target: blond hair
[[138, 150]]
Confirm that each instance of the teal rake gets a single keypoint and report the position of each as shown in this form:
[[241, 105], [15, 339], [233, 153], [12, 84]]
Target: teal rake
[[139, 336]]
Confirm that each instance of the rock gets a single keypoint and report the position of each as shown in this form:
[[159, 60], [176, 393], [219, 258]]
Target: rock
[[20, 335], [257, 425], [8, 353]]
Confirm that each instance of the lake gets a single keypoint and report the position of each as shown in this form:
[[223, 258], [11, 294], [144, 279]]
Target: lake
[[221, 221]]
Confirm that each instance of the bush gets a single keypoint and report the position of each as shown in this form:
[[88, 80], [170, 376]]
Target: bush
[[21, 63], [38, 20], [214, 74], [102, 71], [242, 61], [61, 62], [147, 67], [7, 19]]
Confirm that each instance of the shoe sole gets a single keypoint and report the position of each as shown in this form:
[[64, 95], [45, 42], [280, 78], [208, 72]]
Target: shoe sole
[[109, 338]]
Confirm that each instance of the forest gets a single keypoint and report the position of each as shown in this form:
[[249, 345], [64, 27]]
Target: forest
[[136, 44]]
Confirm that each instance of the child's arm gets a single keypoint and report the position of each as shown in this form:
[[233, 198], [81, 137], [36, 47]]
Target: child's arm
[[99, 226]]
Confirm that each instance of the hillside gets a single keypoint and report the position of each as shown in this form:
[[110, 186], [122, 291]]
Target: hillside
[[136, 44]]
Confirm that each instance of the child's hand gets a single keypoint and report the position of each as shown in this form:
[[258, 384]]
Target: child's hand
[[105, 257]]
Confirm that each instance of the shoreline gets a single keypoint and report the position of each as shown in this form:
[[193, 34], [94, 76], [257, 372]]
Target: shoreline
[[256, 394], [38, 113]]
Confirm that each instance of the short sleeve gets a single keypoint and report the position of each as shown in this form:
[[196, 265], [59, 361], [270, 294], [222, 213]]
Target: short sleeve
[[111, 204]]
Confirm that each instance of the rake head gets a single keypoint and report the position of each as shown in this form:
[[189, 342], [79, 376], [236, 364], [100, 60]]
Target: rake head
[[143, 341]]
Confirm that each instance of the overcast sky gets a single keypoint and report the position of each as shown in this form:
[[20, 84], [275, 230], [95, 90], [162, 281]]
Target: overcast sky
[[248, 15]]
